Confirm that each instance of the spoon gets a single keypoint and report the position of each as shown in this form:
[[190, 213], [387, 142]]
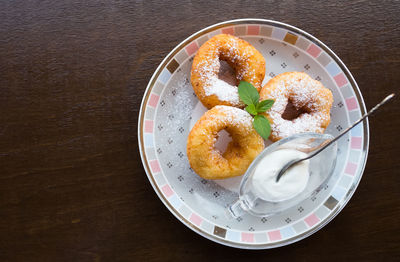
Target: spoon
[[295, 161]]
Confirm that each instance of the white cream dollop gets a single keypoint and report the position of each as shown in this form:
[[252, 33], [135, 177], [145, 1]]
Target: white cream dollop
[[293, 182]]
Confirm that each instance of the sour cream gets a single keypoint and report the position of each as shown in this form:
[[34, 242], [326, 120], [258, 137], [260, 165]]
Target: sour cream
[[293, 182]]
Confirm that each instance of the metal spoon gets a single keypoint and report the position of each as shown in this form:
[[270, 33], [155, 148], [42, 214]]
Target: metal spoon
[[295, 161]]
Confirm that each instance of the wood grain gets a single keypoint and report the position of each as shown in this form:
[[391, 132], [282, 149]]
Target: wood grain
[[72, 76]]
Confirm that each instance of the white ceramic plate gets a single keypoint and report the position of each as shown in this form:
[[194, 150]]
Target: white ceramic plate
[[170, 107]]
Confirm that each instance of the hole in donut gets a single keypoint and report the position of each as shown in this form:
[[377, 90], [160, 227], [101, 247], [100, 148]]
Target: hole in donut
[[223, 139], [291, 112], [227, 73]]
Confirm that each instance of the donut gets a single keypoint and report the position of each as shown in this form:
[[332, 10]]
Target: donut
[[207, 161], [309, 99], [248, 63]]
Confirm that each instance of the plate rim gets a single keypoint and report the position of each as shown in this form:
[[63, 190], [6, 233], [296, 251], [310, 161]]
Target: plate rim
[[365, 149]]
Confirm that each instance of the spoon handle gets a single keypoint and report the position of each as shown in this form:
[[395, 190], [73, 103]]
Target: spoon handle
[[291, 163], [386, 99]]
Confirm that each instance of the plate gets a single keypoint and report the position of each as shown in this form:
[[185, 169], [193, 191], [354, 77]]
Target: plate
[[169, 108]]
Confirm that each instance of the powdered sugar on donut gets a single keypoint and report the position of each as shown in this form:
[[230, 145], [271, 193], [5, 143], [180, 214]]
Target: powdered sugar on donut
[[223, 90], [303, 93], [208, 71], [236, 117]]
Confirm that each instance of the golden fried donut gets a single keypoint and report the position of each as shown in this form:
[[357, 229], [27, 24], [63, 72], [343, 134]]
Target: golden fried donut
[[247, 62], [246, 143], [309, 97]]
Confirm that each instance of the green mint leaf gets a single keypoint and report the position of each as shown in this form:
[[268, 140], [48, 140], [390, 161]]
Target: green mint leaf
[[264, 105], [262, 126], [248, 93], [251, 109]]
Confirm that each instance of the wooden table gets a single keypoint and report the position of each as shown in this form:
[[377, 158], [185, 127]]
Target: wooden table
[[72, 76]]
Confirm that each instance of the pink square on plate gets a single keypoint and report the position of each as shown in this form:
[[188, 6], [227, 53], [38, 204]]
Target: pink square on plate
[[311, 220], [247, 237], [148, 126], [313, 50], [228, 31], [192, 48], [196, 219], [153, 100], [340, 79], [275, 235], [167, 190], [356, 142], [351, 103], [155, 166], [253, 30], [351, 168]]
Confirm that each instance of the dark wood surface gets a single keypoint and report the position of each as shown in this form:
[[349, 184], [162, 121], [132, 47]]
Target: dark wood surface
[[72, 76]]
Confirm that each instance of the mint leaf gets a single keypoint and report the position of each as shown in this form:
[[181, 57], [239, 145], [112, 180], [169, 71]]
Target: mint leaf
[[262, 126], [248, 93], [251, 109], [264, 105]]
